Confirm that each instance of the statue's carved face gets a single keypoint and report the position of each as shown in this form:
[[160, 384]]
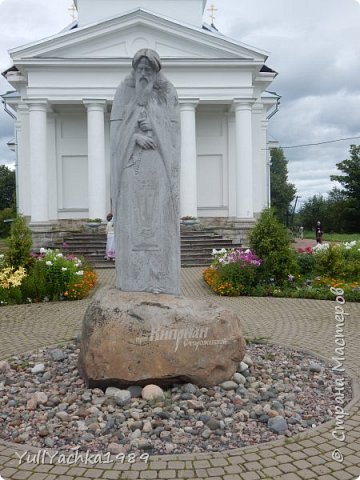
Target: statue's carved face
[[144, 72]]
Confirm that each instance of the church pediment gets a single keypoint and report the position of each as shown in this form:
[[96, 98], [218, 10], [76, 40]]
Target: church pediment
[[122, 36]]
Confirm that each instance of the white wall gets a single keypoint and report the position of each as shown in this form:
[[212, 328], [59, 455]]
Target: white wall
[[212, 161], [72, 193]]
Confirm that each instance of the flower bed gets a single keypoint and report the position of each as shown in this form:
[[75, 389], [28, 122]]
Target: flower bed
[[235, 272], [49, 276]]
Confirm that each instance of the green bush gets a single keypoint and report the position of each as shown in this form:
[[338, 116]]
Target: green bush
[[34, 287], [10, 296], [330, 261], [306, 262], [243, 276], [232, 272], [269, 239], [338, 261], [51, 275], [20, 242]]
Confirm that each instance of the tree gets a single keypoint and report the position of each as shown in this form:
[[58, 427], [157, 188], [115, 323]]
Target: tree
[[270, 240], [351, 180], [20, 243], [282, 192], [312, 210], [7, 187], [350, 192], [338, 211]]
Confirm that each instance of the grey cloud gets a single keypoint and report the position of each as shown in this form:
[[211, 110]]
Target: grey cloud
[[7, 157]]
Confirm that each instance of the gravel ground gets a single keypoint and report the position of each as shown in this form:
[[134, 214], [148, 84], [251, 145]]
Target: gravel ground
[[276, 391]]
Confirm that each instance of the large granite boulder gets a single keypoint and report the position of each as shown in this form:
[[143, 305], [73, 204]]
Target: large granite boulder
[[140, 338]]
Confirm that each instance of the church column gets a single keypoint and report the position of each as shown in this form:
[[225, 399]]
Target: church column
[[38, 160], [188, 182], [244, 160], [264, 128], [96, 157]]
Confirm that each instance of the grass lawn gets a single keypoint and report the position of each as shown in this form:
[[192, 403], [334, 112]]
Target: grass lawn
[[334, 237]]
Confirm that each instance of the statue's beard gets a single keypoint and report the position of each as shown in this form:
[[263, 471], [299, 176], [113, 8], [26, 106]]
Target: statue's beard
[[143, 88]]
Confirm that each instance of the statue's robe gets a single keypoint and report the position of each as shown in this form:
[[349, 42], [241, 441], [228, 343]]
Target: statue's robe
[[145, 186]]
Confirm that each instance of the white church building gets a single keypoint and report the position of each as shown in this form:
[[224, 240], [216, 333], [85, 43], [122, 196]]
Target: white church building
[[64, 88]]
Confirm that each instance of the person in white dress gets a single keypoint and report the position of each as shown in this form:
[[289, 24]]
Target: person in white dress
[[110, 240]]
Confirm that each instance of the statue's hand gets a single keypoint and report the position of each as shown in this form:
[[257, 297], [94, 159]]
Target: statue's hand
[[144, 142], [144, 124]]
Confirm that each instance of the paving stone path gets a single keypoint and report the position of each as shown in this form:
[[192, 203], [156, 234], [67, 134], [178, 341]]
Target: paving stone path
[[306, 324]]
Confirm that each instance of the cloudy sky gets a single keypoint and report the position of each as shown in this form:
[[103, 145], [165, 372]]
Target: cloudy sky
[[313, 44]]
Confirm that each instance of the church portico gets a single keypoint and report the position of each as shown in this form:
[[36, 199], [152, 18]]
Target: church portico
[[66, 86]]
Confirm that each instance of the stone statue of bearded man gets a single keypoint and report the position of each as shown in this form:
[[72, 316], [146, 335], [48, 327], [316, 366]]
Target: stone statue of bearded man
[[145, 179]]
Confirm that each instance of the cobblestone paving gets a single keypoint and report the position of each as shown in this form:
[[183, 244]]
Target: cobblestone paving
[[305, 324]]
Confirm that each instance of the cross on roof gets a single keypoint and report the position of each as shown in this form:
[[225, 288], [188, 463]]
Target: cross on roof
[[212, 9], [72, 11]]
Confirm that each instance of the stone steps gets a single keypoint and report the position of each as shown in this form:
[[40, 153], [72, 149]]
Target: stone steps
[[196, 247]]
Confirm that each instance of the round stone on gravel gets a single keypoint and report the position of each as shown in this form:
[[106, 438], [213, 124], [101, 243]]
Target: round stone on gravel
[[264, 418], [112, 391], [243, 366], [136, 434], [57, 355], [38, 368], [115, 448], [135, 391], [213, 423], [247, 360], [4, 366], [43, 432], [190, 388], [278, 424], [206, 433], [315, 367], [41, 397], [259, 410], [122, 397], [64, 417], [46, 376], [31, 404], [294, 419], [142, 443], [86, 396], [239, 379], [152, 392], [147, 428], [229, 385], [196, 404], [49, 442]]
